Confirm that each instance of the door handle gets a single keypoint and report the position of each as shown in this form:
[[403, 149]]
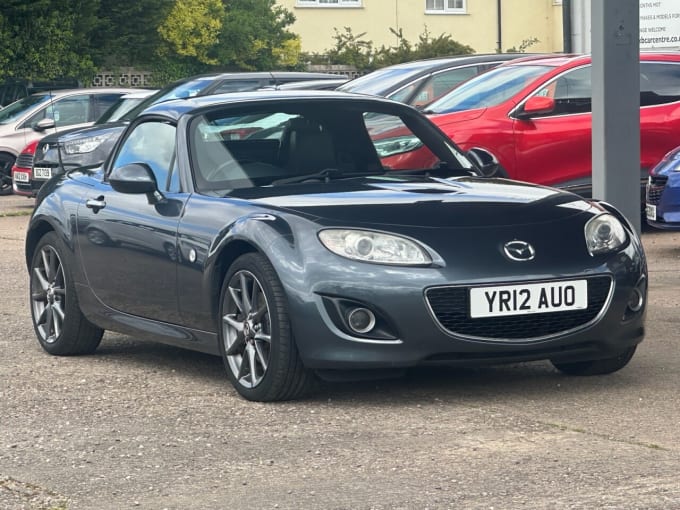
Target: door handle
[[96, 203]]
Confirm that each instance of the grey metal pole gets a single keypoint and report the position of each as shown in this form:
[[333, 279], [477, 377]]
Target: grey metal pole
[[566, 26], [616, 105]]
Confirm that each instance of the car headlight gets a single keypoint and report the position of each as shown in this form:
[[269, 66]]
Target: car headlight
[[604, 233], [84, 145], [375, 247], [398, 145]]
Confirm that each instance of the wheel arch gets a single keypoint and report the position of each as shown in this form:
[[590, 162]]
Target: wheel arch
[[225, 258], [487, 162], [33, 236]]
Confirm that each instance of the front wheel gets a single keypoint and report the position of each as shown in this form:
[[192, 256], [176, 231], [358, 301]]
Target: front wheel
[[6, 163], [256, 340], [598, 366], [59, 324]]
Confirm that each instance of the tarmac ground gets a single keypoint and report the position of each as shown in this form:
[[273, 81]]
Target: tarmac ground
[[142, 425]]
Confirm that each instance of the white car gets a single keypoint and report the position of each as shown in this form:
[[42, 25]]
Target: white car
[[43, 113]]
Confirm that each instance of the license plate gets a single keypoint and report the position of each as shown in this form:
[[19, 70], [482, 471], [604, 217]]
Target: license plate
[[40, 172], [650, 210], [528, 298], [21, 177]]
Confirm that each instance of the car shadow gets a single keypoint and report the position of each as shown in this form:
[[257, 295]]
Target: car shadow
[[417, 385]]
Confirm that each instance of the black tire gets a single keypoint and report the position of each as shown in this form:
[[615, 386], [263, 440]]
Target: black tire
[[6, 163], [59, 324], [487, 165], [597, 366], [256, 341], [494, 170]]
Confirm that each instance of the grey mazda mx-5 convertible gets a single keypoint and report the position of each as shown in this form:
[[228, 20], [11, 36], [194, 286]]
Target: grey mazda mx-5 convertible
[[305, 234]]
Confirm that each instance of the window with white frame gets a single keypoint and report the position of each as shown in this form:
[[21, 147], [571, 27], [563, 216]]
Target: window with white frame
[[445, 6], [328, 3]]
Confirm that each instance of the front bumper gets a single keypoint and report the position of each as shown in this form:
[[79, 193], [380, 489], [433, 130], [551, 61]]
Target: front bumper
[[420, 339], [663, 193]]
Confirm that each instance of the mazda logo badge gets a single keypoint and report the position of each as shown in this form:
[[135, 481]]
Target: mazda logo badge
[[519, 251]]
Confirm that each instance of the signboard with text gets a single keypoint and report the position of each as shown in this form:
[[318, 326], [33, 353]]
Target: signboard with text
[[659, 24]]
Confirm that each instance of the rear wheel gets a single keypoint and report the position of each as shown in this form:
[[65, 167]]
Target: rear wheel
[[256, 340], [61, 327], [6, 164], [598, 366]]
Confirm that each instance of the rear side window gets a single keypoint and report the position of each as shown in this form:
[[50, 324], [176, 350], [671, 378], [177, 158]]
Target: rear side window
[[103, 102], [441, 83], [237, 86], [659, 83]]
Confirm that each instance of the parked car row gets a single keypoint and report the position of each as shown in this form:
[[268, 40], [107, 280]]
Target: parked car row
[[415, 83], [37, 115], [523, 117], [52, 113]]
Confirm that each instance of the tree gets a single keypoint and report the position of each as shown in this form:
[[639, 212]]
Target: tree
[[193, 27], [354, 50], [254, 33], [47, 38], [127, 32], [350, 49]]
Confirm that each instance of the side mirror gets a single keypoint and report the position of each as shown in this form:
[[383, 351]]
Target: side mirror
[[44, 124], [135, 178], [536, 105]]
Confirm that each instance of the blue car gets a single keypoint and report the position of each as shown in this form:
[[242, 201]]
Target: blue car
[[663, 193]]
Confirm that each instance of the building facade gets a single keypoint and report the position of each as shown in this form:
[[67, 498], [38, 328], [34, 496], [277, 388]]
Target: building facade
[[485, 25]]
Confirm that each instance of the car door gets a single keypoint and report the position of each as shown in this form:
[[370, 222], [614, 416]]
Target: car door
[[128, 242], [659, 112], [555, 148]]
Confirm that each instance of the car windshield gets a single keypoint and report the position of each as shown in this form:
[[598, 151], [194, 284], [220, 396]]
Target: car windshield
[[175, 90], [488, 89], [379, 82], [18, 108], [314, 142]]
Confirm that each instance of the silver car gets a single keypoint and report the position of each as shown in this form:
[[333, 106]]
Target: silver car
[[43, 113]]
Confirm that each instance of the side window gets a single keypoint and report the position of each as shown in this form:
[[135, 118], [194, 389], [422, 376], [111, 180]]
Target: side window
[[102, 102], [237, 86], [71, 110], [441, 83], [572, 92], [152, 143], [404, 94], [659, 83], [44, 113]]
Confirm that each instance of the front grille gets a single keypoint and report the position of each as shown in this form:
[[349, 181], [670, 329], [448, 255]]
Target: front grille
[[655, 188], [451, 306], [24, 160]]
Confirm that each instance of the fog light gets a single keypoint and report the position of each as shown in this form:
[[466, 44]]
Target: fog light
[[360, 320], [636, 300]]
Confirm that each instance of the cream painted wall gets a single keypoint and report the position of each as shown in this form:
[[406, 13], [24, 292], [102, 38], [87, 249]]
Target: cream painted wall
[[521, 19]]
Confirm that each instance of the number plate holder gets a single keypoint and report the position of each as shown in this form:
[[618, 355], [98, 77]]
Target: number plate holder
[[528, 298]]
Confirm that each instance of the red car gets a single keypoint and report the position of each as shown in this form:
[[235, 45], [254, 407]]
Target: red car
[[530, 119], [22, 173]]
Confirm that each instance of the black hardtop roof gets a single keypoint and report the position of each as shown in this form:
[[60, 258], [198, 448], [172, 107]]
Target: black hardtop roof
[[179, 107]]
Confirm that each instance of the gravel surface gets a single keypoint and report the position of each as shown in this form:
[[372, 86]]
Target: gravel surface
[[142, 425]]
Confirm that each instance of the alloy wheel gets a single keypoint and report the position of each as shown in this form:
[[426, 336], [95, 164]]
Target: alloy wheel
[[246, 328], [48, 294]]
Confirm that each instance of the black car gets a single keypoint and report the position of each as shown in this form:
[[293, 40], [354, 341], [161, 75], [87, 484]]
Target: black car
[[311, 250], [422, 81], [81, 147]]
